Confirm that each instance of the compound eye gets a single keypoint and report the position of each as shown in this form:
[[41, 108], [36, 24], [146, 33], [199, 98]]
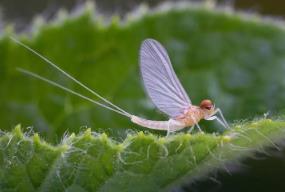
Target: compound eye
[[208, 107], [206, 104]]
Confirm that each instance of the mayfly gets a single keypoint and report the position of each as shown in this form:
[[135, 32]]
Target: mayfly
[[162, 86]]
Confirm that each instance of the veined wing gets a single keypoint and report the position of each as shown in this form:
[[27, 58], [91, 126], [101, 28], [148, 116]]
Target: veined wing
[[160, 80]]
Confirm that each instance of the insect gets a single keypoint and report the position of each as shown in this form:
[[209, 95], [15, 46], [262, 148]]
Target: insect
[[162, 86]]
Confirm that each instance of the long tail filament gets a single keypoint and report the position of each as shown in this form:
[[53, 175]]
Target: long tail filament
[[113, 107]]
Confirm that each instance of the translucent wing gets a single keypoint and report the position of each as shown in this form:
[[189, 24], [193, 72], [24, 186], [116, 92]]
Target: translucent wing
[[160, 80]]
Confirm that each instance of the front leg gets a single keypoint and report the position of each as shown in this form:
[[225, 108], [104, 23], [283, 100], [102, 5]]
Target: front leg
[[216, 118], [218, 110]]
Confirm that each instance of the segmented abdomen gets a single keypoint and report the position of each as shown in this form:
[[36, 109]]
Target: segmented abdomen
[[171, 124]]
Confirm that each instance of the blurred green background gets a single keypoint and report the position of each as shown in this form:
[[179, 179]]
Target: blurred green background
[[123, 85], [21, 13]]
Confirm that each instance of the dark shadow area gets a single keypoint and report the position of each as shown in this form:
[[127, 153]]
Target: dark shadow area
[[264, 171]]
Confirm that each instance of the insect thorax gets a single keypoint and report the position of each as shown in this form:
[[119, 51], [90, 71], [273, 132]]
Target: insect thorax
[[192, 116]]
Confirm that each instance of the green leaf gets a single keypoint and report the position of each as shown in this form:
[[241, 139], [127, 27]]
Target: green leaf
[[234, 59], [142, 162], [237, 60]]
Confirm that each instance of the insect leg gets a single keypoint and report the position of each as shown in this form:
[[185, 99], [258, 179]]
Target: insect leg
[[199, 127], [216, 118], [211, 118], [168, 128], [222, 123], [191, 129], [196, 123], [218, 110]]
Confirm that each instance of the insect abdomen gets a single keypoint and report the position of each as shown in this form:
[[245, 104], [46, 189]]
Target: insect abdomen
[[171, 124]]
